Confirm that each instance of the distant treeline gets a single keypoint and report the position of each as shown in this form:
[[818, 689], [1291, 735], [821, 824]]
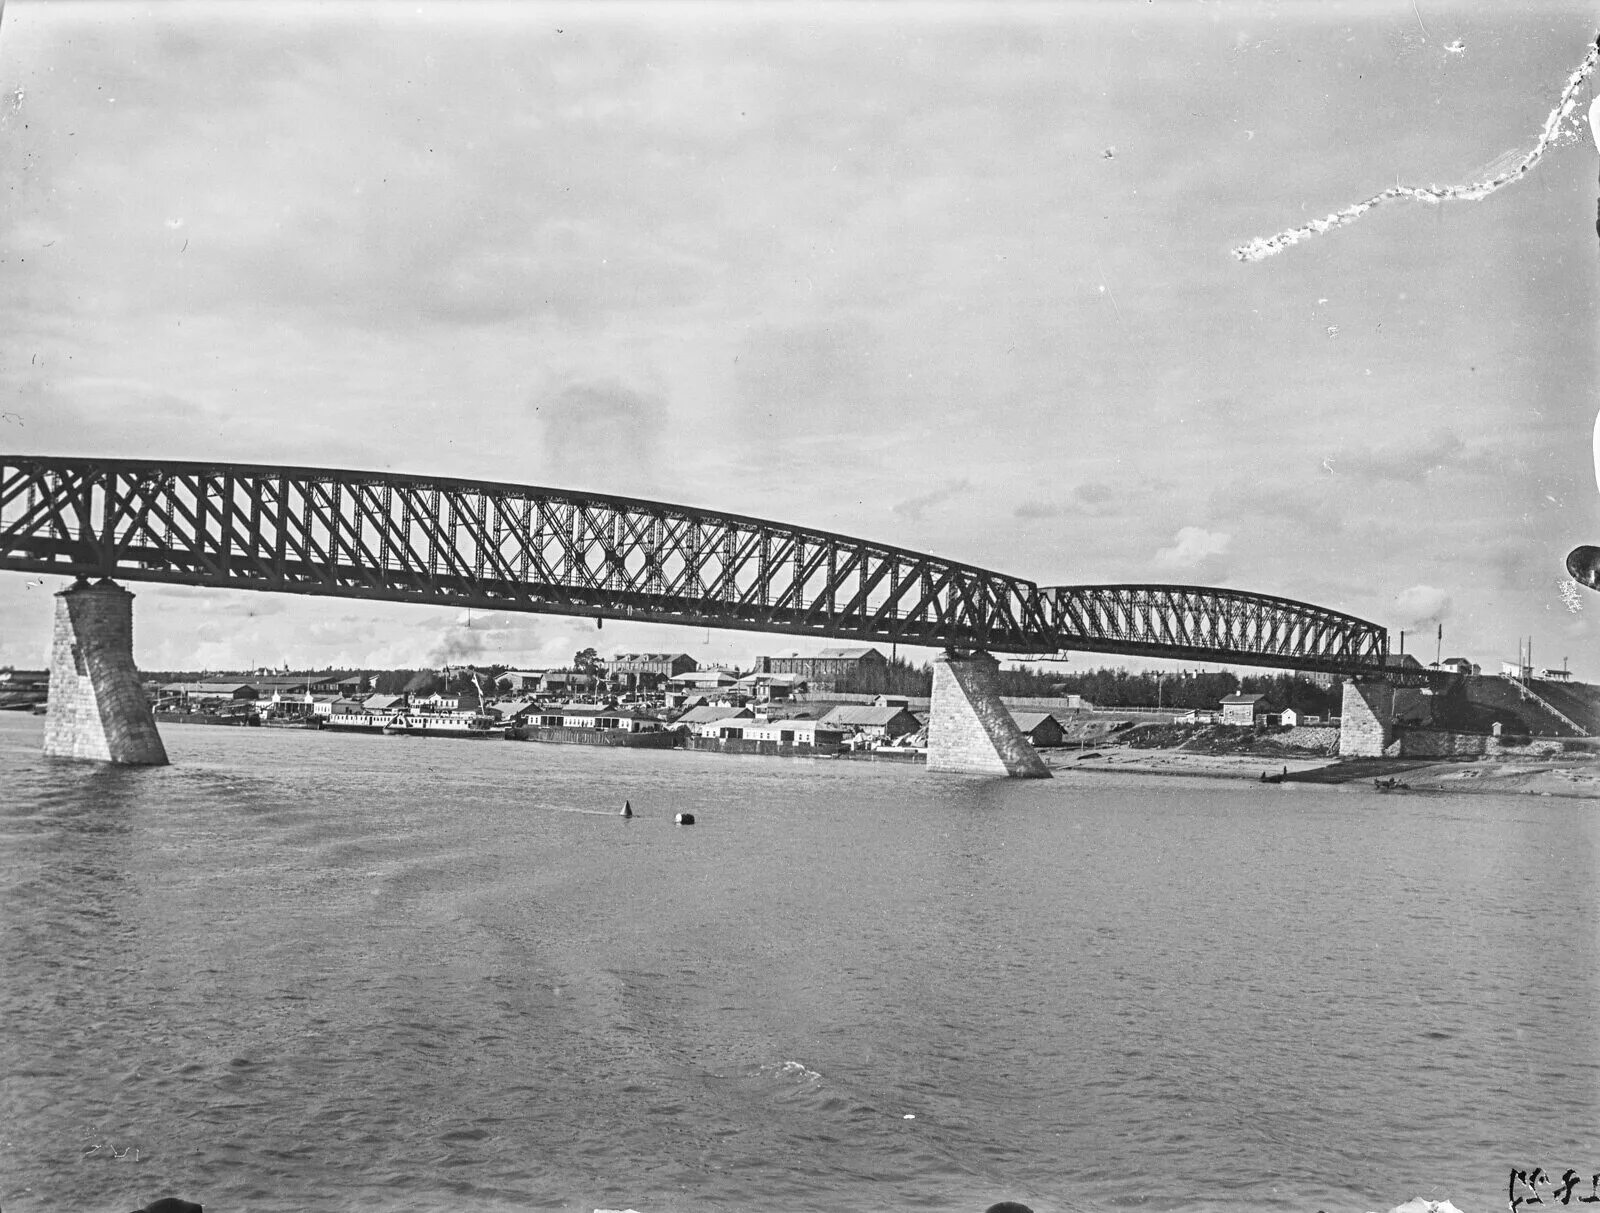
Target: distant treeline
[[1185, 689]]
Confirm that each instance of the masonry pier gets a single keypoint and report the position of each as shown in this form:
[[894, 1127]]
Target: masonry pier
[[969, 729], [97, 708], [1367, 715]]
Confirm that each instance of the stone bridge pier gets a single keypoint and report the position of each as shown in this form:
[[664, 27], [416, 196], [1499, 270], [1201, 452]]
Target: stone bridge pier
[[969, 729], [1367, 713], [97, 708]]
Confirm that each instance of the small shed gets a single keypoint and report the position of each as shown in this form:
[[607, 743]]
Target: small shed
[[1041, 728], [1244, 709]]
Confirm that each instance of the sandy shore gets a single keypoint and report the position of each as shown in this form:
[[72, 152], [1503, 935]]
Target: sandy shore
[[1552, 777]]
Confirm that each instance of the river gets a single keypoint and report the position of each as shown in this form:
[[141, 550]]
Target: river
[[303, 971]]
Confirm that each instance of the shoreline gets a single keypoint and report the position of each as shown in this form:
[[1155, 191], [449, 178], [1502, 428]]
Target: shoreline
[[1566, 777]]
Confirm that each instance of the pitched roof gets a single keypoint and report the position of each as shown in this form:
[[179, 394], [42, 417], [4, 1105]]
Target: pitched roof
[[1244, 699], [709, 712], [849, 713], [847, 654], [1028, 721], [510, 707]]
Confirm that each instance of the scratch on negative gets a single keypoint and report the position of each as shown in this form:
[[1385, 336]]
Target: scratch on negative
[[1263, 247]]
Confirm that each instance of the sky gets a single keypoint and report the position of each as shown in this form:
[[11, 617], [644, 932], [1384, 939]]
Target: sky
[[951, 277]]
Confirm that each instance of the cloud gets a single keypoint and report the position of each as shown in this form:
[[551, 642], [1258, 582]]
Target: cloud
[[1421, 604], [602, 428], [1091, 498], [1034, 508], [1407, 463], [913, 509], [1193, 546]]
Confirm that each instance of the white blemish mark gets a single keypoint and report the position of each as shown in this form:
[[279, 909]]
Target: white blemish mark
[[1568, 589], [1333, 330], [1597, 451], [1261, 248], [1457, 47], [1328, 463], [1418, 12]]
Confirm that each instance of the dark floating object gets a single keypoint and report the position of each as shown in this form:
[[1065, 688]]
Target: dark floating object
[[685, 819], [627, 808], [170, 1204], [1584, 565], [1008, 1206]]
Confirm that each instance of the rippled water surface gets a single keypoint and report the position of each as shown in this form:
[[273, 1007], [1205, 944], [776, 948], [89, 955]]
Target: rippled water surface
[[296, 971]]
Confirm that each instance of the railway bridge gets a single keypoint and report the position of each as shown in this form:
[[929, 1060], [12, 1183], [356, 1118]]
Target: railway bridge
[[510, 547]]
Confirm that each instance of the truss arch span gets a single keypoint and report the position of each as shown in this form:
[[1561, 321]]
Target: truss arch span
[[497, 546]]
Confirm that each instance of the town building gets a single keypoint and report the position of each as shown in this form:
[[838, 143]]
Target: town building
[[1458, 665], [770, 688], [589, 716], [199, 692], [567, 682], [1244, 709], [791, 732], [462, 700], [647, 670], [267, 685], [850, 670], [517, 682], [712, 678], [879, 724], [714, 720]]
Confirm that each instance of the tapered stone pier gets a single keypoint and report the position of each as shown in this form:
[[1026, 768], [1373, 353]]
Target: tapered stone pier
[[97, 708], [1367, 719], [969, 729]]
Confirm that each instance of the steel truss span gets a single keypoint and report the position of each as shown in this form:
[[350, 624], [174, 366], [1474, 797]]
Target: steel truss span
[[1181, 621], [518, 548]]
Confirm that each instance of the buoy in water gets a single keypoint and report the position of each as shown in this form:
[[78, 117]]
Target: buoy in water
[[627, 808], [685, 819]]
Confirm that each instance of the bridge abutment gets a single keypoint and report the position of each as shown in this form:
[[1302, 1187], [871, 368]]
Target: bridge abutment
[[969, 729], [97, 708], [1366, 716]]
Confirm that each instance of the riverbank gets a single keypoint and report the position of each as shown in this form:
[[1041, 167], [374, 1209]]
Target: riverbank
[[1566, 775]]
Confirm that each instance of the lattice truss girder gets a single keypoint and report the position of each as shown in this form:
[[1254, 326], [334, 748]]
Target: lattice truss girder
[[1179, 620], [514, 547]]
